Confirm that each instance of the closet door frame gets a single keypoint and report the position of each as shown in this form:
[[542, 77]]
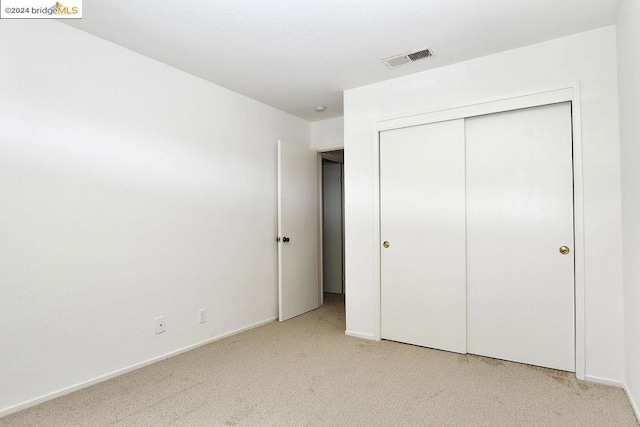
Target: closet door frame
[[563, 93]]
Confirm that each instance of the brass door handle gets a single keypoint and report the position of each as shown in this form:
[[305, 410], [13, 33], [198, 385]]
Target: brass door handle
[[564, 250], [385, 244]]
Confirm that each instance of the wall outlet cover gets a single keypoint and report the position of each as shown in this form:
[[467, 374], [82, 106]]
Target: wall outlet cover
[[202, 315], [161, 325]]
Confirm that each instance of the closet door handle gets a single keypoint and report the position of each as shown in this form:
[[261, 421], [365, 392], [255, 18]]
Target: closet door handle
[[564, 250]]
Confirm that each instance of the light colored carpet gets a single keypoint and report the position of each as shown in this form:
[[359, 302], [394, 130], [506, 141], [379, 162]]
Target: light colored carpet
[[307, 372]]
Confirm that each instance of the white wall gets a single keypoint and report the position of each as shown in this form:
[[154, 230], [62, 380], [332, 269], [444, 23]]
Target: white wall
[[129, 190], [589, 58], [327, 134], [628, 32]]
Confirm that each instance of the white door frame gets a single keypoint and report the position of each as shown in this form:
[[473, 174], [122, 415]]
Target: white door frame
[[563, 93], [320, 234]]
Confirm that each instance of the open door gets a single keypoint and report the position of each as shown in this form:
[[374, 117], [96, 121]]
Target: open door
[[298, 255]]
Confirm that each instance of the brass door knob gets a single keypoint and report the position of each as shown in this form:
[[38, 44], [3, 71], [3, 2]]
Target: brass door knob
[[385, 244], [564, 250]]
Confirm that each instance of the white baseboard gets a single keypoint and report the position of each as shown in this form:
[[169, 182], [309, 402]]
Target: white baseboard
[[360, 335], [604, 381], [24, 405], [633, 403]]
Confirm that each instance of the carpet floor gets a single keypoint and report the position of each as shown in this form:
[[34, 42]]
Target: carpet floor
[[306, 372]]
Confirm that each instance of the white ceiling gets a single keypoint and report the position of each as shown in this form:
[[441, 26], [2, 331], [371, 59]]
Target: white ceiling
[[295, 55]]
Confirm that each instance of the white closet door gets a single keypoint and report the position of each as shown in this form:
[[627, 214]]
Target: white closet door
[[422, 213], [520, 288]]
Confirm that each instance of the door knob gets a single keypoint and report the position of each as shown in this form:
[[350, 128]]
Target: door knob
[[285, 239], [564, 250], [385, 244]]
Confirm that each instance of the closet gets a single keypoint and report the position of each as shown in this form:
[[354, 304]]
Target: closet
[[476, 223]]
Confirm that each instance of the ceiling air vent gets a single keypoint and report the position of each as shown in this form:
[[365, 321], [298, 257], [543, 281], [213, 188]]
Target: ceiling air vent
[[407, 58]]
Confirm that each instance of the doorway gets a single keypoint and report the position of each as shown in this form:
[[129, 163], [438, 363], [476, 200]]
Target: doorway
[[332, 214]]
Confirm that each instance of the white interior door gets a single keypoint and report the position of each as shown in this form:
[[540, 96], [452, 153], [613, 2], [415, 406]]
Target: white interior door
[[422, 213], [332, 227], [298, 274], [520, 288]]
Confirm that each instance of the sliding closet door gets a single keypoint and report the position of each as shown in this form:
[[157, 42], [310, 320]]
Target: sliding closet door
[[422, 216], [520, 280]]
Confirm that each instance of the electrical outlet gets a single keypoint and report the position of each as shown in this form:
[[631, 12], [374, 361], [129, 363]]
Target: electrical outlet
[[161, 325], [202, 315]]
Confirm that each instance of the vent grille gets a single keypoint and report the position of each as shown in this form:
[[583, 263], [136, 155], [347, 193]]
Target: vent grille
[[407, 58]]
